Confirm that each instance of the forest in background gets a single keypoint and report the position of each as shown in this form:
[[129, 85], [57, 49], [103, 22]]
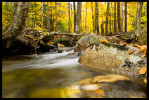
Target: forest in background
[[62, 16], [33, 25]]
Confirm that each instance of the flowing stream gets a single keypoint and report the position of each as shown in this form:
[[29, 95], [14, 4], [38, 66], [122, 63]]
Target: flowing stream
[[54, 75]]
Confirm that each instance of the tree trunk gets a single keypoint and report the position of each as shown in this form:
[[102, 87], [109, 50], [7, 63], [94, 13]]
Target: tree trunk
[[138, 19], [118, 16], [69, 15], [51, 20], [142, 39], [74, 7], [93, 17], [78, 20], [32, 18], [113, 18], [85, 17], [110, 16], [102, 29], [35, 16], [27, 26], [96, 19], [125, 17], [121, 17], [17, 24], [42, 17], [55, 21], [48, 17], [110, 22], [107, 18]]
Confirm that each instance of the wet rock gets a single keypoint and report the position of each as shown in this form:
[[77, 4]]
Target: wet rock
[[130, 51], [86, 81], [123, 65], [140, 63], [113, 39], [105, 58], [67, 40], [113, 59], [45, 48], [35, 56], [109, 57], [59, 51], [109, 78], [128, 63], [134, 59], [79, 54], [87, 40], [89, 87]]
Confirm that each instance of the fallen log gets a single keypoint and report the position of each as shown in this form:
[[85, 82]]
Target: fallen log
[[57, 33]]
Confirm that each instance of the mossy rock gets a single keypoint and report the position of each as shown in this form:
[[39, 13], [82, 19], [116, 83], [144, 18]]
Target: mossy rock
[[65, 38], [87, 40]]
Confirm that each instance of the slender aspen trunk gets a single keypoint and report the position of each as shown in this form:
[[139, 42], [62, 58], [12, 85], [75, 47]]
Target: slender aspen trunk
[[48, 17], [118, 16], [85, 17], [78, 20], [107, 18], [138, 19], [125, 16], [96, 19], [42, 17], [93, 18], [69, 16], [74, 7]]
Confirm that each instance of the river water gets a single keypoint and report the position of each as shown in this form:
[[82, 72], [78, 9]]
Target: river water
[[53, 75]]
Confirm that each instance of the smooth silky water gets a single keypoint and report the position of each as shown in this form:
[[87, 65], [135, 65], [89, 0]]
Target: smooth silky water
[[51, 75]]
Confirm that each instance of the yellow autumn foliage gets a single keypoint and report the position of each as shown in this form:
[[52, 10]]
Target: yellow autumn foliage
[[60, 15], [143, 49], [61, 45], [50, 42], [30, 36], [101, 92], [104, 41], [142, 71]]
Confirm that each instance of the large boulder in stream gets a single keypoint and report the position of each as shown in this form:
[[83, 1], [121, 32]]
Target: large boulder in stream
[[115, 58], [85, 41]]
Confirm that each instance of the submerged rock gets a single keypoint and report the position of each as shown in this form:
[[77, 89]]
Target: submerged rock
[[110, 86], [59, 51], [89, 87], [109, 78]]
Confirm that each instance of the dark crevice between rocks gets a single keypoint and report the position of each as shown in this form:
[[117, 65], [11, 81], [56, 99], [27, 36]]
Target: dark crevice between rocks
[[17, 48], [118, 46]]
